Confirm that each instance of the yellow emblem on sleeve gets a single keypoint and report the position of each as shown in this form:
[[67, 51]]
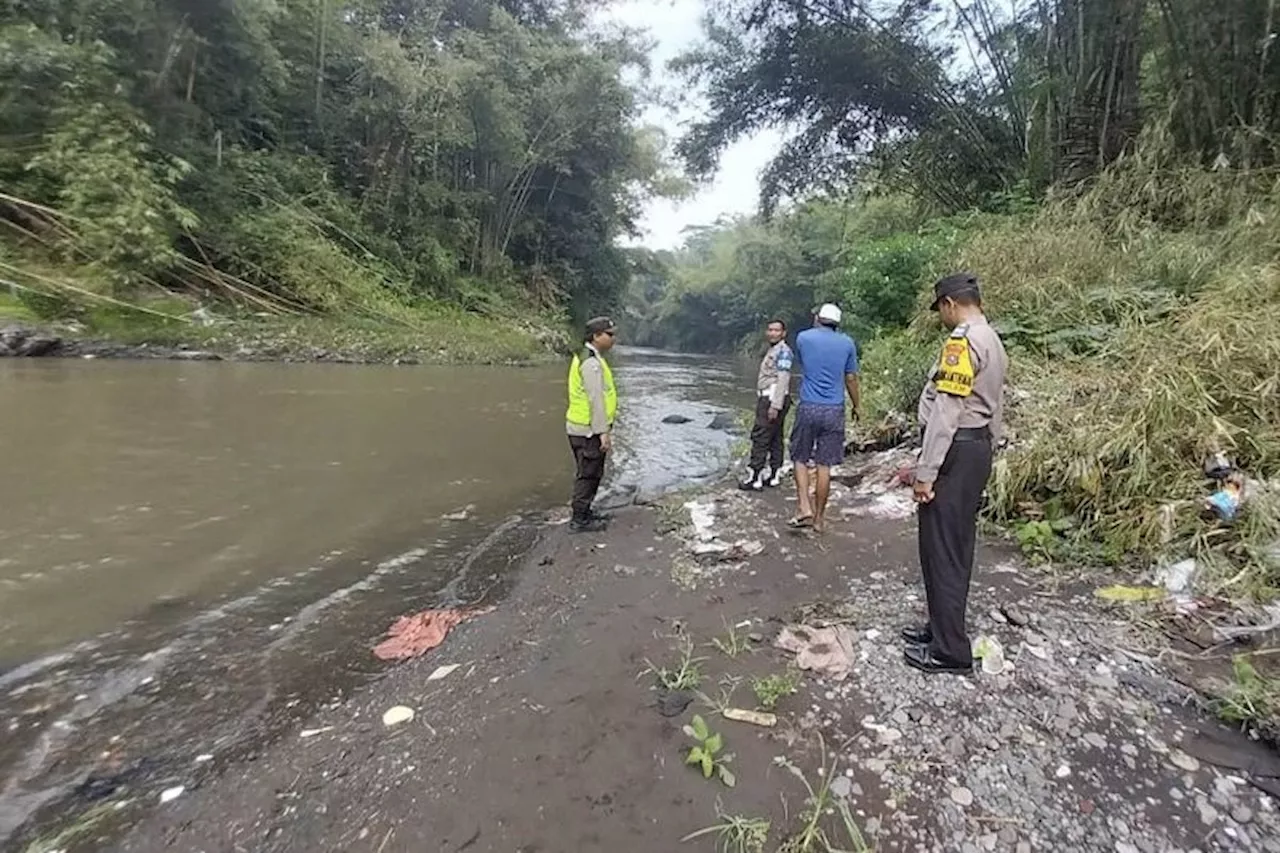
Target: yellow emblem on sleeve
[[955, 368]]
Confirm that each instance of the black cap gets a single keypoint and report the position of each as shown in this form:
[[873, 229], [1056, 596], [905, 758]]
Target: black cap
[[954, 285], [596, 325]]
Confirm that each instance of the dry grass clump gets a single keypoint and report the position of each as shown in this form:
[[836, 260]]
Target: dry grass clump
[[1136, 351]]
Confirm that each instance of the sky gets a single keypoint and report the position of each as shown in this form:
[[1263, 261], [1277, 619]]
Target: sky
[[675, 26]]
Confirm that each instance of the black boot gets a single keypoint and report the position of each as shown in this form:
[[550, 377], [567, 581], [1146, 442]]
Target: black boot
[[926, 660], [588, 525], [918, 636]]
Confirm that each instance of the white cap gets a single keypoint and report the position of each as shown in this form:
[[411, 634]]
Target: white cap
[[829, 313]]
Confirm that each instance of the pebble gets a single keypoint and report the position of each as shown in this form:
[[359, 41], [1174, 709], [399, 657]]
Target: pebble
[[1062, 772], [962, 797], [1126, 847], [1096, 740], [1242, 814], [1016, 617], [1186, 762], [842, 787], [1023, 847]]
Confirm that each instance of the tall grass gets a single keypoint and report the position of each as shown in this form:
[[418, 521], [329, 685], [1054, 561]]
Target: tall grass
[[1143, 323]]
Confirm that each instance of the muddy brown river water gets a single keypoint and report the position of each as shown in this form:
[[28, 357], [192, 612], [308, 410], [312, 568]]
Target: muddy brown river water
[[192, 555]]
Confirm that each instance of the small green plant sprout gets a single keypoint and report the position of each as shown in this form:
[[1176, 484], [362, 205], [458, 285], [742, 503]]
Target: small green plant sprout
[[772, 688], [706, 751], [1251, 698], [812, 837], [728, 683], [733, 641], [686, 674], [735, 833]]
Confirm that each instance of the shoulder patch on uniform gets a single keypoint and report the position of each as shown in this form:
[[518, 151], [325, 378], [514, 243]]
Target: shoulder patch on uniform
[[783, 361], [955, 368]]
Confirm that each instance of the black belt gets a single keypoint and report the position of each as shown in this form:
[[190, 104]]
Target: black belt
[[973, 434]]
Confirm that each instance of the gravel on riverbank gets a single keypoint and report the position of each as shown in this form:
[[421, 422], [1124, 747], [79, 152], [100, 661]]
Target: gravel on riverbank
[[550, 736]]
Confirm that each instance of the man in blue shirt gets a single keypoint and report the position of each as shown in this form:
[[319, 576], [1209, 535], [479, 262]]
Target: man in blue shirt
[[829, 361]]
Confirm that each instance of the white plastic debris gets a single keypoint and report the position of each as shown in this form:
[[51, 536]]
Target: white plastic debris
[[306, 733], [988, 649], [1177, 578], [397, 715], [703, 516], [443, 672], [168, 795]]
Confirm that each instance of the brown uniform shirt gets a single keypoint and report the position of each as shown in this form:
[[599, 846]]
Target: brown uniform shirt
[[941, 413], [774, 378]]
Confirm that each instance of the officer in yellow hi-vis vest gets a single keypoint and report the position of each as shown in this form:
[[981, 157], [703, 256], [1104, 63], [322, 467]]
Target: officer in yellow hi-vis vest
[[593, 405], [960, 412]]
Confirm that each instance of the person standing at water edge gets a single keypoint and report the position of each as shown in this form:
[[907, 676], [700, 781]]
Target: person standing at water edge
[[960, 411], [593, 405], [773, 401], [829, 364]]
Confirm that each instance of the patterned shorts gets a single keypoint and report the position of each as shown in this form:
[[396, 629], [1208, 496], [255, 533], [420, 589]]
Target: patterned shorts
[[818, 435]]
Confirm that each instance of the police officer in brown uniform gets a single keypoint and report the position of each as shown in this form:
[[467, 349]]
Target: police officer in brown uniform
[[960, 412]]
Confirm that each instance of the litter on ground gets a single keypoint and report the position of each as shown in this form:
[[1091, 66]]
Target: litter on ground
[[413, 635], [828, 651], [397, 715]]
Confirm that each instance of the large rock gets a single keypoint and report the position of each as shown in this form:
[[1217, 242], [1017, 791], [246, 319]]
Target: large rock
[[676, 419], [18, 341], [724, 421]]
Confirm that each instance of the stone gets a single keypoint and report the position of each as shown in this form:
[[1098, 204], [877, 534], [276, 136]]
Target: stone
[[1180, 759], [1242, 814], [1095, 740], [962, 797], [676, 419], [842, 787], [1062, 772], [988, 841], [1015, 616], [1126, 847], [724, 421], [1023, 847]]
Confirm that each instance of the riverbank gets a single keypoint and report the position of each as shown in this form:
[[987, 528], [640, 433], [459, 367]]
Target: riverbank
[[549, 734], [447, 338]]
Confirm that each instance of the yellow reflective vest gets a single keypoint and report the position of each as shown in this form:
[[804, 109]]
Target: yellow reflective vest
[[579, 405]]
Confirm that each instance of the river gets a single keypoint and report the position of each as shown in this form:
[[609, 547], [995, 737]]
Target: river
[[194, 555]]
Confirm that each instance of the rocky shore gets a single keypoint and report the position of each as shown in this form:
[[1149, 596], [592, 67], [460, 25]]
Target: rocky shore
[[559, 721], [248, 344]]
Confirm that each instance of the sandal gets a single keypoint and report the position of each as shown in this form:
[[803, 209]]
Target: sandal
[[800, 522]]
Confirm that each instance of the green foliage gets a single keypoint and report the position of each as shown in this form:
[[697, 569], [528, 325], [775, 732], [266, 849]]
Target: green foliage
[[1046, 92], [706, 751], [772, 688], [736, 833], [1251, 698], [812, 836], [686, 674], [346, 159], [727, 281], [732, 643]]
